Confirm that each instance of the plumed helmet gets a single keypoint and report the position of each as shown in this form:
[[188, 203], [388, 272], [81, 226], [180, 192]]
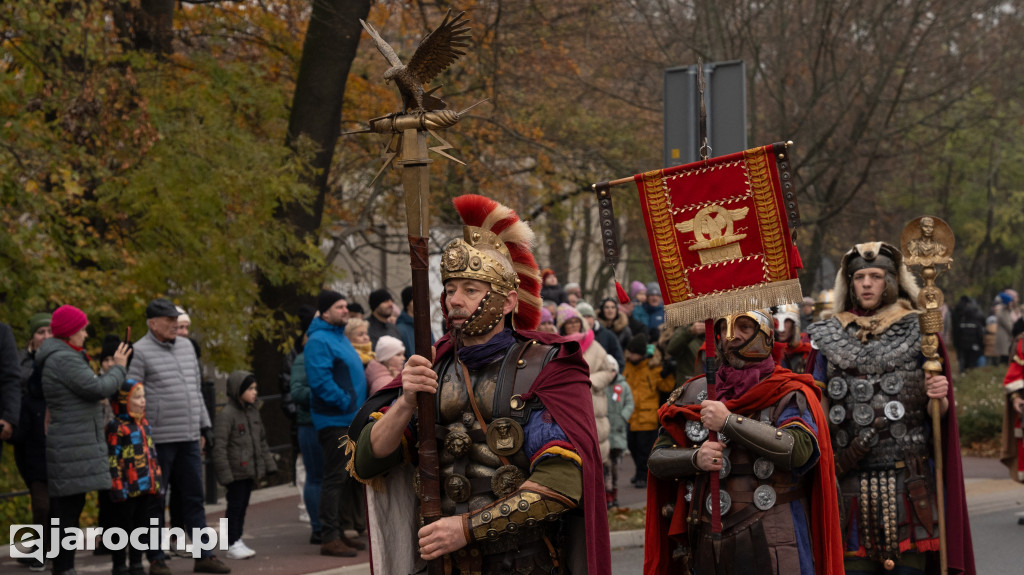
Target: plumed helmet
[[757, 347], [899, 282], [495, 248], [784, 314]]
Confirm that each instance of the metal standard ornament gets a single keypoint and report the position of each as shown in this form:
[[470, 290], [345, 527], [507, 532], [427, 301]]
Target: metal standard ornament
[[764, 497], [894, 411], [696, 432], [725, 502], [504, 436]]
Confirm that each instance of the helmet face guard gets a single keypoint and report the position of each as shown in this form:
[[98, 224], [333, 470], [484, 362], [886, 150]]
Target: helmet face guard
[[484, 318], [756, 349]]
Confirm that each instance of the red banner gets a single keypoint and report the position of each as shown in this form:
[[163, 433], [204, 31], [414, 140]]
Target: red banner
[[719, 234]]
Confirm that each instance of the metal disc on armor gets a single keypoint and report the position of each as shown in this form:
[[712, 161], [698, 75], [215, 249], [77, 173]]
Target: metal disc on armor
[[863, 390], [898, 430], [869, 436], [878, 401], [457, 443], [837, 414], [689, 492], [863, 414], [504, 436], [763, 468], [726, 467], [764, 497], [837, 388], [506, 480], [458, 488], [891, 383], [696, 432], [702, 395], [842, 438], [895, 411], [723, 438], [725, 502]]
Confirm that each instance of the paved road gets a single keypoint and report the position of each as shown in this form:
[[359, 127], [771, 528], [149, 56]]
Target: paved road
[[280, 539]]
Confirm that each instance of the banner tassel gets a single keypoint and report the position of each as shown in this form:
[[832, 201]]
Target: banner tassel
[[621, 293]]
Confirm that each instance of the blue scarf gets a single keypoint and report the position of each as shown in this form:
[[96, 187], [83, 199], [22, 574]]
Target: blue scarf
[[477, 356]]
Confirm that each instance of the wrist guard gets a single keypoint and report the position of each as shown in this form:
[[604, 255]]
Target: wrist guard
[[524, 508], [771, 442], [673, 462]]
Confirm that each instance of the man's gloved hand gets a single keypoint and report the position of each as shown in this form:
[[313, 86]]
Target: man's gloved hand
[[207, 434]]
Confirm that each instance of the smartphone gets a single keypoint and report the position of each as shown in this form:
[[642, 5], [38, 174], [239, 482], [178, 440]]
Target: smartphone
[[128, 334]]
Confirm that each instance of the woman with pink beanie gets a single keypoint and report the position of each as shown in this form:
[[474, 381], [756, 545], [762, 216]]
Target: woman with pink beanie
[[76, 450]]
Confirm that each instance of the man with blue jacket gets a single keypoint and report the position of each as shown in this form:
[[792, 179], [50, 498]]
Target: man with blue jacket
[[338, 387]]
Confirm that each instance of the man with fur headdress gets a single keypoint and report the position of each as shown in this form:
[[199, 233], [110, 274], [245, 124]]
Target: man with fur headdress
[[868, 358], [521, 476]]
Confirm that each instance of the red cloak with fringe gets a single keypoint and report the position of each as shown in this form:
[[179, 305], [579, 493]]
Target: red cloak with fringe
[[824, 508], [563, 386]]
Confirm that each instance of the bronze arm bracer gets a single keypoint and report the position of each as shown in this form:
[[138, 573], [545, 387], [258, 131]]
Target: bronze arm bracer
[[771, 442], [524, 508], [671, 463]]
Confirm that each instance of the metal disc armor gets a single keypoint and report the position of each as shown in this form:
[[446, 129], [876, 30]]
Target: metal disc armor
[[880, 432]]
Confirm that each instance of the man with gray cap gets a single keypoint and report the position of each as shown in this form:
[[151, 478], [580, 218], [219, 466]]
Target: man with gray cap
[[178, 419]]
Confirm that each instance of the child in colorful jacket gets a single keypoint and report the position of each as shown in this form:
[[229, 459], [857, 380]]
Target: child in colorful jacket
[[134, 471]]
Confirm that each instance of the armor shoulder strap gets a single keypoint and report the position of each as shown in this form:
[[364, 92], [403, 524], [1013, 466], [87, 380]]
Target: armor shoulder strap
[[517, 377], [690, 393]]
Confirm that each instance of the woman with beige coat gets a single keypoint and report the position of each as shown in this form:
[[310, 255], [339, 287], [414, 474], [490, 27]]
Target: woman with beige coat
[[602, 370]]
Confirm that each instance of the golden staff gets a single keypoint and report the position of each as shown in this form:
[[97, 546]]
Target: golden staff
[[928, 242]]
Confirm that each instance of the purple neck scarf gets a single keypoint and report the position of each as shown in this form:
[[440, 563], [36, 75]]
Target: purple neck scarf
[[477, 356], [733, 383]]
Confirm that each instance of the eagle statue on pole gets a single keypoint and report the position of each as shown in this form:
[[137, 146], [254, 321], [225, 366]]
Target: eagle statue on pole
[[435, 53]]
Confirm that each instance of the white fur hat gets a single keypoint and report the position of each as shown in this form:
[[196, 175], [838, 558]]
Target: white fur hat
[[388, 347]]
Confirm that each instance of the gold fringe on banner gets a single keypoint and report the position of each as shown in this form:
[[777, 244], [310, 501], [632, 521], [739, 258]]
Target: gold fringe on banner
[[718, 304]]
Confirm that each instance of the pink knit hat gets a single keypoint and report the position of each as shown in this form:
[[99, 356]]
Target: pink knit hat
[[67, 320], [564, 313], [545, 316]]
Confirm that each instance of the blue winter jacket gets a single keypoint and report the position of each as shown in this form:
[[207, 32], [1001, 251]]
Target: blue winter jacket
[[336, 377]]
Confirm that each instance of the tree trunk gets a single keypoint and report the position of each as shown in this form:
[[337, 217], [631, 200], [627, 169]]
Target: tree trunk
[[332, 39]]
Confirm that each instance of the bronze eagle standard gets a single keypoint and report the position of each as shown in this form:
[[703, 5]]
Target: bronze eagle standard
[[435, 53]]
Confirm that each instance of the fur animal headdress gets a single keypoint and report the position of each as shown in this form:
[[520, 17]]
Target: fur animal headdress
[[899, 282]]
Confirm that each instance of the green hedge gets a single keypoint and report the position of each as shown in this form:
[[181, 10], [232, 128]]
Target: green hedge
[[980, 402]]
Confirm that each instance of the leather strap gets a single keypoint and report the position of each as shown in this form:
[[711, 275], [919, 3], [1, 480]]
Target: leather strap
[[464, 375]]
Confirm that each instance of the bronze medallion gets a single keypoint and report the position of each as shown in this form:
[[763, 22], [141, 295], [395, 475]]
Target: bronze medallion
[[455, 257], [506, 480], [504, 436], [475, 263], [457, 443], [837, 414], [458, 488]]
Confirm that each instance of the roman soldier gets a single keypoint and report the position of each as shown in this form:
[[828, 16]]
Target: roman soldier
[[520, 467], [791, 350], [868, 359], [774, 458]]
